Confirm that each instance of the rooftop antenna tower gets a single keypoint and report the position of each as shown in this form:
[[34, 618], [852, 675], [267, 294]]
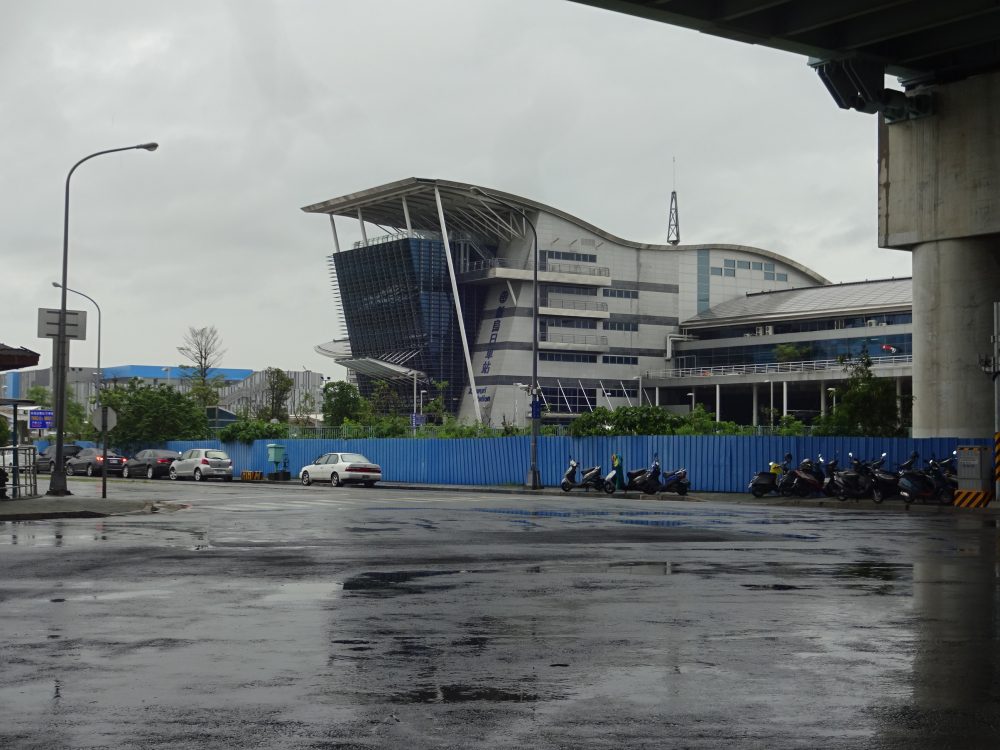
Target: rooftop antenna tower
[[673, 223]]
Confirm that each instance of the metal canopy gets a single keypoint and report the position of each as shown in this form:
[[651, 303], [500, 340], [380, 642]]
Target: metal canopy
[[920, 41], [14, 358]]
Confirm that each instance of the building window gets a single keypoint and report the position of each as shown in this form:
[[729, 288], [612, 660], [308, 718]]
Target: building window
[[567, 357], [620, 325], [743, 264], [769, 266], [716, 271], [768, 276], [569, 323], [729, 263], [616, 359], [756, 265], [622, 293], [781, 276], [729, 271], [564, 255], [585, 291]]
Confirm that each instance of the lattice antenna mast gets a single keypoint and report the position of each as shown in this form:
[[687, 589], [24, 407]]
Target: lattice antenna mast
[[673, 222]]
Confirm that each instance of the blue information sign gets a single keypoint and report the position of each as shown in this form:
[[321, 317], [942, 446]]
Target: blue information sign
[[40, 419]]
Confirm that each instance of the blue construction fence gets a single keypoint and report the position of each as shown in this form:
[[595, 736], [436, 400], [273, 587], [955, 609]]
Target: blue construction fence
[[714, 463]]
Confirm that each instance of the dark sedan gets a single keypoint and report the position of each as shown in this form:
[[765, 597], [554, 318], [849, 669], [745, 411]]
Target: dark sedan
[[89, 460], [150, 463]]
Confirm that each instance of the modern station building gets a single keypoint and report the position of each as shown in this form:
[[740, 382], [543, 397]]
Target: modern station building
[[443, 294]]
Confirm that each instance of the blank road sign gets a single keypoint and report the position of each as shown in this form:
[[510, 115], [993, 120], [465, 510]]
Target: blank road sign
[[48, 324]]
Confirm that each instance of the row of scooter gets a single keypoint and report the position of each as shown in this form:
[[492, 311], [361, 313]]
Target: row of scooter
[[650, 481], [935, 482]]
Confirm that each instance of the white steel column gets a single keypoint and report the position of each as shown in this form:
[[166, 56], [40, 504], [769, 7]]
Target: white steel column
[[822, 398], [458, 306], [756, 405], [406, 217], [718, 402], [361, 222], [336, 240], [784, 399], [899, 399]]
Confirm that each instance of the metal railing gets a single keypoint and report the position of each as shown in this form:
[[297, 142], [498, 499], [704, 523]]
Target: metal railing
[[556, 267], [573, 338], [774, 367], [572, 304], [23, 482]]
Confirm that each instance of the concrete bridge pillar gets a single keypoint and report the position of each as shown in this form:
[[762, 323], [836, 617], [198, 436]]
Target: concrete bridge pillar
[[939, 197]]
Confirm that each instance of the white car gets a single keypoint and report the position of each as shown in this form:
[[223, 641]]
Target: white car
[[341, 468], [201, 464]]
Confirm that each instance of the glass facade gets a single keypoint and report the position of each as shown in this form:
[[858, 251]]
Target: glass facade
[[397, 299], [760, 354]]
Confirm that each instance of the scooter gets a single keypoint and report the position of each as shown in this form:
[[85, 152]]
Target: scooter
[[636, 480], [885, 483], [675, 481], [915, 484], [764, 482], [806, 479], [855, 482], [591, 478]]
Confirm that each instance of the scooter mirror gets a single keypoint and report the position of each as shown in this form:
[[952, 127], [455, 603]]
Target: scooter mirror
[[883, 454]]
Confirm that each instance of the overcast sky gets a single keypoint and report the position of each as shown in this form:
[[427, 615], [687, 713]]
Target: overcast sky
[[261, 107]]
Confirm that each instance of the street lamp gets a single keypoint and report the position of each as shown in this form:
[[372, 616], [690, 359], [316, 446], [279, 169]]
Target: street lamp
[[422, 401], [833, 392], [100, 384], [57, 482], [166, 371], [691, 394], [533, 479]]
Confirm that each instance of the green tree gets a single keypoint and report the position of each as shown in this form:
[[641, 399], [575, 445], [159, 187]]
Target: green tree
[[40, 395], [277, 388], [342, 402], [248, 430], [866, 404], [386, 401], [150, 415], [4, 431]]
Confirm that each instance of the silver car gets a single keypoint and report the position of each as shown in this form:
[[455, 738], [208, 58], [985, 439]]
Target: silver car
[[201, 464]]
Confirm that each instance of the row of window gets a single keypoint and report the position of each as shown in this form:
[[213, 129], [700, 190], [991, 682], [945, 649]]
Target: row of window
[[607, 359], [768, 275], [752, 265], [807, 325], [621, 293], [565, 255]]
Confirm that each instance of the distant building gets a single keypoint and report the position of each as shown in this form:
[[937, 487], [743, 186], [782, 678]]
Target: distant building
[[444, 295]]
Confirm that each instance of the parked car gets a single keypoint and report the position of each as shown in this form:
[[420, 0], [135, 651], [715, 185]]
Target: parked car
[[88, 461], [201, 464], [150, 463], [46, 460], [339, 469]]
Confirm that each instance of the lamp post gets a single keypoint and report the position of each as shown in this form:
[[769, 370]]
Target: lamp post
[[100, 384], [691, 394], [422, 401], [533, 479], [833, 392], [57, 482], [166, 372]]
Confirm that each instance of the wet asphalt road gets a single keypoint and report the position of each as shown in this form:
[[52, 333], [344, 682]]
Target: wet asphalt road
[[292, 617]]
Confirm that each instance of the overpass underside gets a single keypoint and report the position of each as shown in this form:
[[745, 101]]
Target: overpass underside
[[939, 197]]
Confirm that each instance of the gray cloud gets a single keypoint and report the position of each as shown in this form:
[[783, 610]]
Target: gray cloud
[[262, 107]]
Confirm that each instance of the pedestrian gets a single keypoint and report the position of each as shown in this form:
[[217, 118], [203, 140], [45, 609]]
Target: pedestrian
[[619, 470]]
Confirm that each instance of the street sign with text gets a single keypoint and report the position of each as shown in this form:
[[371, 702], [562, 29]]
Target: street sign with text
[[40, 419]]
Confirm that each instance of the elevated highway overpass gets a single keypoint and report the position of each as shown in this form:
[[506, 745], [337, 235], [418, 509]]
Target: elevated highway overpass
[[938, 159]]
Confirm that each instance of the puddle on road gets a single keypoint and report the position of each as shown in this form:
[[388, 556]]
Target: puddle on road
[[462, 694], [303, 592]]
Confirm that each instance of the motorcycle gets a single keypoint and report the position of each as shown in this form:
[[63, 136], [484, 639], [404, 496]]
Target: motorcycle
[[944, 478], [855, 482], [885, 483], [591, 478], [636, 480], [915, 484], [807, 479], [673, 481], [764, 482]]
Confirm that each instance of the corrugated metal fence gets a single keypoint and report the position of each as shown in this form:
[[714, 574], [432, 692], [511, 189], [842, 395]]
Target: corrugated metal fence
[[714, 464]]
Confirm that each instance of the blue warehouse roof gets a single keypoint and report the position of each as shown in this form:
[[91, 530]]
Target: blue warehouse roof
[[158, 372]]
